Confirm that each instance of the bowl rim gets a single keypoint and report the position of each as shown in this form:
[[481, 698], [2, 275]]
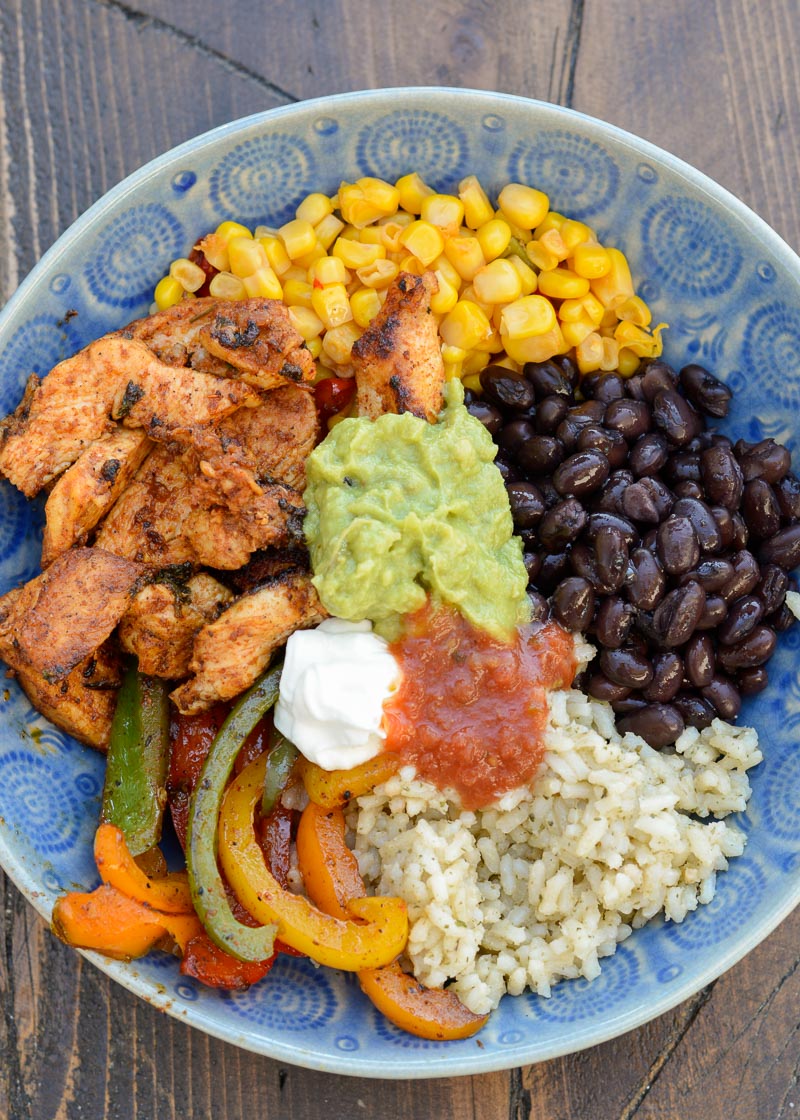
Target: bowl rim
[[429, 1063]]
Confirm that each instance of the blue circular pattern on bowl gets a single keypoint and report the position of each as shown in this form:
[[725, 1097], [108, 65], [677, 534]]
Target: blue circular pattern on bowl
[[731, 297]]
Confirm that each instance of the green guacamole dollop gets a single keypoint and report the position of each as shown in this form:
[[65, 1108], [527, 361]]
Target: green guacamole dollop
[[399, 509]]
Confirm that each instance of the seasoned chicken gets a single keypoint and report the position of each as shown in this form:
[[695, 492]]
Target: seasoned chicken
[[276, 438], [161, 622], [257, 338], [83, 703], [78, 401], [229, 654], [85, 492], [59, 618], [174, 335], [398, 359]]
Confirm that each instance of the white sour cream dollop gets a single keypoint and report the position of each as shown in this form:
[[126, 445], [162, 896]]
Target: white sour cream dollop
[[334, 683]]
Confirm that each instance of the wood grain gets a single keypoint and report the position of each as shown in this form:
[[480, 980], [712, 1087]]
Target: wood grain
[[89, 90]]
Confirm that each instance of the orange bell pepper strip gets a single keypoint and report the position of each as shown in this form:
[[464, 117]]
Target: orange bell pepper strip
[[345, 944], [431, 1013], [331, 788], [118, 868], [329, 868]]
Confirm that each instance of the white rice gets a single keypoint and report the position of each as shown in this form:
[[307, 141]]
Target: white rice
[[542, 885]]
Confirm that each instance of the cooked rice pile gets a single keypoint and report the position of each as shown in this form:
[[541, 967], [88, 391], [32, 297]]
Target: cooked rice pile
[[542, 886]]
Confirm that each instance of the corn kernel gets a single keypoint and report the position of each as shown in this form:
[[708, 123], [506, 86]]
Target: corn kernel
[[279, 260], [575, 233], [296, 272], [453, 353], [633, 310], [475, 361], [493, 344], [551, 220], [473, 381], [314, 208], [353, 254], [306, 322], [494, 237], [411, 264], [616, 286], [554, 242], [589, 354], [468, 292], [297, 293], [299, 237], [451, 275], [215, 250], [365, 305], [227, 286], [332, 305], [465, 326], [413, 191], [379, 274], [525, 206], [424, 240], [537, 348], [443, 210], [328, 230], [541, 257], [263, 284], [477, 207], [497, 282], [246, 256], [591, 261], [311, 257], [392, 230], [337, 343], [636, 339], [627, 362], [189, 275], [562, 283], [610, 355], [371, 235], [328, 270], [576, 331], [227, 230], [527, 316], [526, 274], [465, 255], [314, 347], [168, 292], [446, 297], [264, 231], [363, 202]]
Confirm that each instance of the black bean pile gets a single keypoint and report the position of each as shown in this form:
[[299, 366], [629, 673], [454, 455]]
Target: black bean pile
[[650, 531]]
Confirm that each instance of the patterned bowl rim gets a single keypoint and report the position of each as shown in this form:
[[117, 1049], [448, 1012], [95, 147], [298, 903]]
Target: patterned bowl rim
[[427, 1064]]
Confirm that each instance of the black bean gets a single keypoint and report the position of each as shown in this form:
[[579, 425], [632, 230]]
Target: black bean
[[658, 724], [699, 660], [533, 564], [548, 378], [609, 387], [514, 434], [613, 622], [713, 438], [611, 550], [561, 525], [711, 574], [581, 473], [601, 688], [768, 460], [696, 711], [508, 471], [649, 454], [549, 493], [782, 619], [683, 467], [723, 696], [703, 522], [760, 509], [677, 615], [639, 504], [603, 520], [716, 609], [645, 586], [744, 614], [555, 566], [746, 574], [506, 389], [722, 476], [705, 391], [584, 563], [667, 677], [724, 522], [549, 413], [772, 587], [540, 608], [626, 666], [630, 418], [787, 491], [783, 549], [677, 545], [489, 416], [527, 504], [632, 703], [751, 681], [688, 489], [609, 499], [676, 418], [657, 377], [650, 541], [573, 603], [540, 454], [755, 649], [740, 531]]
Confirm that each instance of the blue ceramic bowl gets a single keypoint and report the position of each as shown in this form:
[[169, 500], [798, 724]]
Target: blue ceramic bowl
[[730, 290]]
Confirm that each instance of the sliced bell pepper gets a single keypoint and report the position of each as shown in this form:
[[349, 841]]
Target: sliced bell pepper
[[282, 757], [432, 1013], [208, 889], [275, 834], [330, 788], [190, 741], [134, 793], [215, 968], [329, 868], [117, 867], [349, 945]]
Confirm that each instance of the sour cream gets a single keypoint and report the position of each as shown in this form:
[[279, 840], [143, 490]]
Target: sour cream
[[334, 683]]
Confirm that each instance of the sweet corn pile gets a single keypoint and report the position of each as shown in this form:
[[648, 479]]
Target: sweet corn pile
[[517, 283]]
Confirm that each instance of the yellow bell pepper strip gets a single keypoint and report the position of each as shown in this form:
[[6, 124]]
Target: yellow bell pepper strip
[[282, 757], [329, 868], [348, 945], [134, 793], [330, 788], [119, 869], [247, 943], [431, 1013]]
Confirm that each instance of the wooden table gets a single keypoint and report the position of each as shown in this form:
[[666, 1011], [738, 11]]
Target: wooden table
[[89, 90]]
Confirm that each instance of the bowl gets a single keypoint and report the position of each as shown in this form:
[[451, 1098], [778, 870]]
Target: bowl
[[729, 289]]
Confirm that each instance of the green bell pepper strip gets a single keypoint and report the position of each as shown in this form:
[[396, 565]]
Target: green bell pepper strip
[[280, 761], [247, 943], [134, 793]]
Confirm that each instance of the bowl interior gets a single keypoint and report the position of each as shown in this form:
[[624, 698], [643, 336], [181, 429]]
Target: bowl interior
[[729, 289]]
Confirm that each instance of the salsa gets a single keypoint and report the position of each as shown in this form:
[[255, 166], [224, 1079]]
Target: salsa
[[470, 710]]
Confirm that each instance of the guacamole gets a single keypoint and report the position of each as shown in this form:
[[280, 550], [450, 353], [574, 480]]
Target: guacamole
[[399, 509]]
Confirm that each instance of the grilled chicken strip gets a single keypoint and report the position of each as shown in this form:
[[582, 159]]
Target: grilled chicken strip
[[276, 438], [257, 338], [398, 359], [78, 401], [84, 493], [231, 653], [83, 703], [161, 622], [59, 618]]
